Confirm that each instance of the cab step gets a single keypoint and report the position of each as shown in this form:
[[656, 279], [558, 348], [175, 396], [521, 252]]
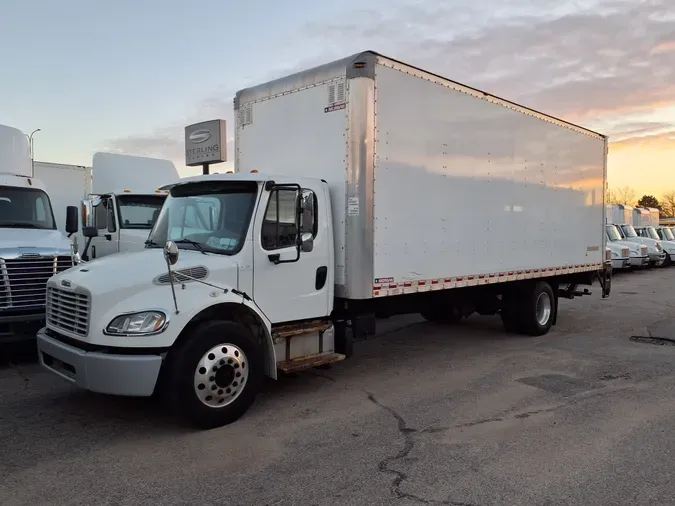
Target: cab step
[[279, 334], [307, 362]]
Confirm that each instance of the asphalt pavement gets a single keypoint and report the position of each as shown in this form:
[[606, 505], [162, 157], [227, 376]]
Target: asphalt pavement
[[422, 414]]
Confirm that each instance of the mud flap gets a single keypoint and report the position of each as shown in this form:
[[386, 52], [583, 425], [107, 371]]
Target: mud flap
[[606, 280]]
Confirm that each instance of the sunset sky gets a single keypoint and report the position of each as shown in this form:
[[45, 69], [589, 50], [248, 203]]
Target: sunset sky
[[127, 76]]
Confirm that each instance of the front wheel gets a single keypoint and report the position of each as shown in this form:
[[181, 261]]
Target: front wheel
[[215, 375]]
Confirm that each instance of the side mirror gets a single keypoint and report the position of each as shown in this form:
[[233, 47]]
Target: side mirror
[[171, 252], [90, 232], [87, 213], [112, 227], [72, 219], [306, 208], [307, 244]]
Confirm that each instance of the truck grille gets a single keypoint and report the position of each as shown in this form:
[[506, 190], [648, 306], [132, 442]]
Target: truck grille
[[625, 252], [68, 310], [23, 281]]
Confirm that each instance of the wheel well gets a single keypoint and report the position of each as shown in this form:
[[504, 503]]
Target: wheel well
[[237, 313]]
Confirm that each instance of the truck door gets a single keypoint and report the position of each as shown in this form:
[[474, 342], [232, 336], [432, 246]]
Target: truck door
[[105, 220], [292, 289]]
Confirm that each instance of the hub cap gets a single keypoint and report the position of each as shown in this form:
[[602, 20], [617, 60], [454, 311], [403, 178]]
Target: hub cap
[[220, 375], [543, 308]]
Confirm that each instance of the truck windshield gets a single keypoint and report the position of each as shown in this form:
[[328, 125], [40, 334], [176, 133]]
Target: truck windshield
[[628, 230], [25, 208], [666, 234], [652, 233], [139, 211], [208, 216], [613, 233]]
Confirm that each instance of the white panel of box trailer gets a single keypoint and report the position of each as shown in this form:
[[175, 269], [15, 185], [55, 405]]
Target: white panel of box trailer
[[433, 184], [66, 186], [470, 189]]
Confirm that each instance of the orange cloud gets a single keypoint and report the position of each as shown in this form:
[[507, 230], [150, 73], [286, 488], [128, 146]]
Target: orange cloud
[[664, 47]]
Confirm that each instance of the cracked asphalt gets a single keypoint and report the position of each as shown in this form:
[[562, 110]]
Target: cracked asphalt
[[423, 414]]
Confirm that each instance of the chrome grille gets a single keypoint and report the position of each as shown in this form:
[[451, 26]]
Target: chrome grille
[[625, 252], [68, 310], [23, 281]]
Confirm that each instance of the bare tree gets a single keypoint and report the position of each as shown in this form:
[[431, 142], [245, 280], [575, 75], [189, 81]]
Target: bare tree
[[625, 196], [668, 204]]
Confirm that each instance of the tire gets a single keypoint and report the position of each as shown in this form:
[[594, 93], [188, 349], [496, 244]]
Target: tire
[[537, 309], [446, 316], [667, 262], [204, 382]]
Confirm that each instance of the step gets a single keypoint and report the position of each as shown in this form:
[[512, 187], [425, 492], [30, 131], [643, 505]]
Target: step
[[304, 363], [287, 331]]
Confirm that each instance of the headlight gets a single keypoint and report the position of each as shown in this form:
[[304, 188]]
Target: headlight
[[142, 323]]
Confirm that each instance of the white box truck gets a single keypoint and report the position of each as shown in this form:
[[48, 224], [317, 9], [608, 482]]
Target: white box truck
[[365, 186], [637, 253], [32, 248], [124, 202], [646, 224], [624, 217]]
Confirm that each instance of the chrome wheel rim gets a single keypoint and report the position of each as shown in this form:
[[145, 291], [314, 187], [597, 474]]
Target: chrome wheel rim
[[221, 375], [544, 307]]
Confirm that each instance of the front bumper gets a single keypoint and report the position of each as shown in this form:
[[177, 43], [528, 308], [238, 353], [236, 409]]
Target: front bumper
[[106, 373], [621, 263], [639, 261], [657, 258]]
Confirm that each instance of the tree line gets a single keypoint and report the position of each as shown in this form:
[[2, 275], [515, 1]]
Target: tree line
[[626, 196]]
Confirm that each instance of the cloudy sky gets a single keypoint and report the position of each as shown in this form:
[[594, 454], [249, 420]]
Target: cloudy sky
[[127, 76]]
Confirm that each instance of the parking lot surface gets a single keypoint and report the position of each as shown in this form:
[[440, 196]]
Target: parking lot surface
[[422, 414]]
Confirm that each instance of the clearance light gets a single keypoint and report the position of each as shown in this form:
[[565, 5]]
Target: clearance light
[[230, 172], [254, 171], [126, 191]]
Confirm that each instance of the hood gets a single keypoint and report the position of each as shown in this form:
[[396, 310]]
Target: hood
[[32, 238], [133, 239], [617, 247], [130, 273]]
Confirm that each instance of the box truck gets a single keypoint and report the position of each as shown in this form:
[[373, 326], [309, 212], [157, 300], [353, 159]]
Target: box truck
[[623, 217], [620, 248], [647, 225], [32, 248], [124, 203], [365, 186]]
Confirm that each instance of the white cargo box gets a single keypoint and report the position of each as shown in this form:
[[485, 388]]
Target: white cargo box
[[433, 184]]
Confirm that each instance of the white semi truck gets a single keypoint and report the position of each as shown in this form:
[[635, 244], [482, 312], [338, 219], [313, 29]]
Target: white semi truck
[[382, 189], [124, 203], [32, 248]]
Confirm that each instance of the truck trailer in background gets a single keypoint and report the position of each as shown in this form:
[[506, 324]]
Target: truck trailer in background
[[364, 186]]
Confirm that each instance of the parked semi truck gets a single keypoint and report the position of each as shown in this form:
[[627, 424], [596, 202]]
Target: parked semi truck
[[124, 202], [32, 248], [365, 186]]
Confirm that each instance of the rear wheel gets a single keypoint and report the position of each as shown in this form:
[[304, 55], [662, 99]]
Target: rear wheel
[[529, 309], [215, 375]]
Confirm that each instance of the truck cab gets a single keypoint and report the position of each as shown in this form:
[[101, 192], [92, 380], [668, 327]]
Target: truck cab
[[118, 219], [32, 249], [621, 249], [643, 228]]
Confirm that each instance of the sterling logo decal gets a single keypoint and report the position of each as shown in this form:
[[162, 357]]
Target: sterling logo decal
[[199, 136], [66, 283]]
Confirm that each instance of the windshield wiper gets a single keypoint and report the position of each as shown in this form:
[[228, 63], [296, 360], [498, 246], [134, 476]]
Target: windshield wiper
[[150, 242], [190, 241], [18, 224]]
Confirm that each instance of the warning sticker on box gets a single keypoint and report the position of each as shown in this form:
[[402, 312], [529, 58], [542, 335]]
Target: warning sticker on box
[[353, 206], [382, 281]]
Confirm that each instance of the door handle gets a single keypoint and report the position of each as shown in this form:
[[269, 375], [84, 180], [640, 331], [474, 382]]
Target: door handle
[[108, 237], [321, 275]]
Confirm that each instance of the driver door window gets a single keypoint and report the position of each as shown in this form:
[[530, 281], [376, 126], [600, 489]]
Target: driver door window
[[279, 228]]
